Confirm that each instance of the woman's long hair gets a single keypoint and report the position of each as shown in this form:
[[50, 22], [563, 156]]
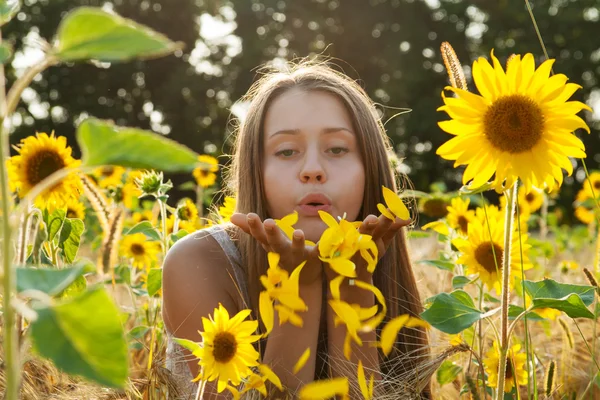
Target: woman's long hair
[[394, 275]]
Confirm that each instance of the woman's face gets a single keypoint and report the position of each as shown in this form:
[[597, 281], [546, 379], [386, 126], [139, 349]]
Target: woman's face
[[311, 160]]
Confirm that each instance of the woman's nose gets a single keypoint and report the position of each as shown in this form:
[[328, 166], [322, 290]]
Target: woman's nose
[[312, 170]]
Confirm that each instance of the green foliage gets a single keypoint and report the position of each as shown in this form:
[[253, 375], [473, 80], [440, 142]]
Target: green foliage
[[146, 228], [6, 52], [54, 222], [154, 281], [48, 280], [103, 143], [451, 312], [460, 281], [8, 9], [447, 372], [92, 33], [441, 264], [176, 236], [83, 336], [571, 299], [70, 238]]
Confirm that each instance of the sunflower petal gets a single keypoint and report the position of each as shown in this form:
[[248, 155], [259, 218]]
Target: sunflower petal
[[302, 360], [325, 389]]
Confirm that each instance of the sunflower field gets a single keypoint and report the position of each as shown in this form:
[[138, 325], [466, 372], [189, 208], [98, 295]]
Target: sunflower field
[[511, 294]]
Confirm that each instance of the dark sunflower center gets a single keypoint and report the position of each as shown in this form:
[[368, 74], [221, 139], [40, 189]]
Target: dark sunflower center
[[463, 224], [435, 208], [107, 171], [514, 124], [137, 249], [509, 370], [224, 347], [597, 185], [42, 165], [72, 213], [485, 253], [185, 214], [530, 197]]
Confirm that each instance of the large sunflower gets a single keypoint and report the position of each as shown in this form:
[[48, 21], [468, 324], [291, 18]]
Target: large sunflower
[[483, 256], [206, 175], [459, 215], [227, 352], [520, 126], [39, 157], [140, 250], [515, 367], [109, 176]]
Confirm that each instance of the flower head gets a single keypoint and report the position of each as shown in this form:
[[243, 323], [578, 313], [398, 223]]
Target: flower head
[[39, 157], [519, 126], [515, 367], [109, 176], [459, 215], [140, 250], [206, 174], [227, 209]]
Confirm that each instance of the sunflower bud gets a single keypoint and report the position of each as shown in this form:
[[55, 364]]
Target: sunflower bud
[[151, 184]]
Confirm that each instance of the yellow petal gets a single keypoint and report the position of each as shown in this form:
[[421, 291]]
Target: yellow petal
[[384, 211], [342, 266], [270, 375], [265, 306], [302, 360], [437, 226], [395, 204], [348, 346], [328, 219], [290, 219], [362, 382], [390, 332], [325, 389], [334, 286], [273, 259]]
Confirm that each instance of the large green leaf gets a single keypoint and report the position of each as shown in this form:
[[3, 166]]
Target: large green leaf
[[103, 143], [154, 281], [55, 222], [451, 312], [84, 336], [92, 33], [573, 300], [51, 281], [70, 237], [447, 372], [8, 9]]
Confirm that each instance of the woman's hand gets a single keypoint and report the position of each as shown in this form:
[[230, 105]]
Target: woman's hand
[[292, 252]]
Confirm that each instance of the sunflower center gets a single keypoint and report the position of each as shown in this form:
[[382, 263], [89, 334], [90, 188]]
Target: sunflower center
[[463, 224], [42, 165], [489, 256], [509, 370], [597, 185], [224, 347], [529, 197], [72, 213], [514, 124], [435, 208], [137, 249], [185, 214], [107, 171]]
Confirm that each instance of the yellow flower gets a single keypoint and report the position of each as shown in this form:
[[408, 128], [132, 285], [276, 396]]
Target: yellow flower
[[547, 313], [483, 256], [73, 207], [582, 212], [109, 176], [142, 251], [341, 241], [593, 190], [515, 374], [144, 215], [434, 207], [284, 288], [228, 351], [227, 209], [567, 265], [459, 215], [530, 202], [206, 175], [365, 390], [520, 126], [286, 224], [39, 157], [187, 211], [325, 389]]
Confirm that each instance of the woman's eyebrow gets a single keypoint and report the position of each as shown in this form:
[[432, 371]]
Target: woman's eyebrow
[[297, 131]]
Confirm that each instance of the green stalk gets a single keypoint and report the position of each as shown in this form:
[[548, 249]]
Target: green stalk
[[511, 200]]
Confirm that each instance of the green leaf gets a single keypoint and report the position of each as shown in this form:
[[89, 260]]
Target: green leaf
[[180, 234], [70, 238], [447, 372], [138, 332], [146, 228], [468, 190], [103, 143], [417, 234], [6, 52], [451, 313], [460, 281], [51, 281], [55, 222], [515, 311], [84, 336], [571, 299], [92, 33], [188, 344], [74, 289], [441, 264], [154, 281], [8, 9]]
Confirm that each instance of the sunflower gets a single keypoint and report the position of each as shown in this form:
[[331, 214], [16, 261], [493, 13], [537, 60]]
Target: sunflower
[[515, 374], [144, 215], [39, 157], [109, 176], [434, 207], [459, 216], [584, 212], [520, 126], [227, 209], [593, 189], [187, 211], [142, 251], [75, 209], [532, 201], [227, 352], [206, 175], [483, 256]]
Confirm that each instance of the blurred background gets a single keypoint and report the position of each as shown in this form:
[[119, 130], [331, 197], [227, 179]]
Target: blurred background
[[390, 46]]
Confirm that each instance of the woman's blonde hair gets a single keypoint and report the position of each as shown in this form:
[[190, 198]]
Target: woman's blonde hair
[[394, 275]]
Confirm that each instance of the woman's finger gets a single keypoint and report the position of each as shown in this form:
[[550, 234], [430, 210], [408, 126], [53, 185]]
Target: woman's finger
[[383, 224], [393, 230], [368, 225], [257, 229], [298, 245], [275, 237], [241, 221]]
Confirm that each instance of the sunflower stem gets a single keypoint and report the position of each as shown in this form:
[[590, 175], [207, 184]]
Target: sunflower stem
[[511, 200], [163, 220]]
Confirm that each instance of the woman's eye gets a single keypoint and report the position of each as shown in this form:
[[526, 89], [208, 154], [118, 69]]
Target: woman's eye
[[338, 150], [285, 153]]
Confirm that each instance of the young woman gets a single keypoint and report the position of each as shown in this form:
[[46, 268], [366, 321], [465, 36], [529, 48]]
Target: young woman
[[311, 140]]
